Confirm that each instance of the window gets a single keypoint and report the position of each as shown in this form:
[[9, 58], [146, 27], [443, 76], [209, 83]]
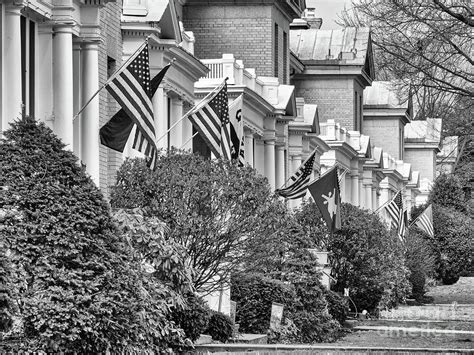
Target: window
[[27, 33], [285, 58], [275, 51]]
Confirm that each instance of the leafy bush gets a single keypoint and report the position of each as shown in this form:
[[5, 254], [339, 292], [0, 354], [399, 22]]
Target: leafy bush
[[194, 318], [79, 284], [365, 257], [220, 327], [338, 306], [447, 192], [452, 243], [6, 306], [254, 294], [210, 206], [420, 260]]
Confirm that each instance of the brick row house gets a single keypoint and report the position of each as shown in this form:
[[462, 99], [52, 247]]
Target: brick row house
[[304, 89]]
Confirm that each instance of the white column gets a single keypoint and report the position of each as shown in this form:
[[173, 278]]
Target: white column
[[374, 198], [77, 70], [368, 196], [12, 108], [249, 153], [90, 115], [259, 156], [176, 134], [355, 189], [63, 84], [44, 72], [187, 133], [269, 148], [160, 108], [280, 166]]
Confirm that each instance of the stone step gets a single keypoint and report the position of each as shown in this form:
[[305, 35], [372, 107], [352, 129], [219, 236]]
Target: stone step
[[467, 335], [284, 349], [250, 338], [440, 312]]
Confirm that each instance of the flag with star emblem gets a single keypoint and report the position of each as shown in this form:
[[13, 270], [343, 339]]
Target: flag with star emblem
[[130, 87], [425, 221], [115, 133], [397, 216], [237, 130], [211, 120], [299, 180], [326, 195]]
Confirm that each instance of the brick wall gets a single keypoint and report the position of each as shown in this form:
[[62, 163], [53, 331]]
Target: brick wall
[[334, 97], [110, 48], [246, 31], [386, 134], [423, 160]]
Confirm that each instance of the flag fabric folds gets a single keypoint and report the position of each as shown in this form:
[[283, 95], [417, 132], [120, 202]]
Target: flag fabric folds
[[114, 134], [425, 221], [237, 130], [397, 215], [211, 119], [299, 180], [326, 195], [132, 89]]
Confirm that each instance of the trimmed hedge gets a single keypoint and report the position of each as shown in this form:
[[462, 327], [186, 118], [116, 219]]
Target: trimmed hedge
[[220, 327], [254, 294], [194, 318]]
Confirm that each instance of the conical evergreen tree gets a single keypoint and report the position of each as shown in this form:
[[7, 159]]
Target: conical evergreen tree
[[77, 283]]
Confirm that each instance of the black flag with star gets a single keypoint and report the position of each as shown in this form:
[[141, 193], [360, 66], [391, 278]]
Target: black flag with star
[[326, 195]]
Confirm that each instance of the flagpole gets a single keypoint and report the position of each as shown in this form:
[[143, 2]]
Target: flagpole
[[193, 108], [194, 135], [118, 71]]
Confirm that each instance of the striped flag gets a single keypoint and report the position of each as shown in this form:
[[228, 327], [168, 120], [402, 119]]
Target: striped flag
[[397, 215], [115, 133], [130, 87], [211, 120], [425, 221], [300, 180], [237, 130]]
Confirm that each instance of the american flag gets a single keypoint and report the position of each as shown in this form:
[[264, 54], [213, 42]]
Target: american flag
[[211, 120], [397, 215], [300, 180], [131, 88], [425, 221]]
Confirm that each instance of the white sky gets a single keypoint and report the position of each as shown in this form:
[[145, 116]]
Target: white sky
[[328, 10]]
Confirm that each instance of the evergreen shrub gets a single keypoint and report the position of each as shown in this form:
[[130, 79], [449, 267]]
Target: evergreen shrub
[[220, 327], [79, 284], [452, 243], [194, 318], [365, 256], [338, 306], [254, 294]]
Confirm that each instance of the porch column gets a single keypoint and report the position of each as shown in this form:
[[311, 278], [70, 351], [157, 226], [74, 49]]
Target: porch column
[[12, 105], [176, 134], [295, 164], [355, 188], [368, 196], [90, 115], [280, 166], [187, 132], [259, 156], [63, 83], [249, 153], [270, 162]]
